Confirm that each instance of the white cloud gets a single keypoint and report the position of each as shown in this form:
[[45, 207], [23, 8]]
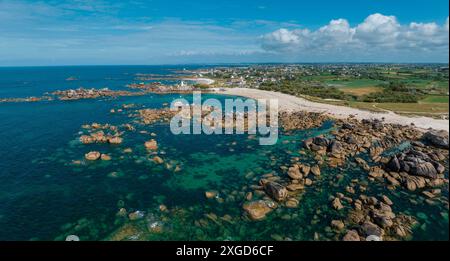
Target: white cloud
[[428, 29], [378, 29], [284, 39], [337, 30], [425, 36], [377, 35]]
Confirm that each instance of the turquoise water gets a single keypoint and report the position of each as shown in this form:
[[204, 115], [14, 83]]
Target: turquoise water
[[46, 197]]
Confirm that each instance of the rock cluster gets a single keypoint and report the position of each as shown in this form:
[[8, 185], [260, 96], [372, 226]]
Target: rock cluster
[[417, 166], [97, 134], [95, 155], [416, 163], [370, 216], [28, 99], [301, 120], [355, 137], [151, 116], [81, 93]]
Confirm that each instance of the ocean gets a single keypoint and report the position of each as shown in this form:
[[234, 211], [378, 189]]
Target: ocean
[[47, 194]]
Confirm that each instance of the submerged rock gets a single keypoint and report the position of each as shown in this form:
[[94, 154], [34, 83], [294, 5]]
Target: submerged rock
[[210, 194], [105, 157], [158, 160], [136, 215], [292, 203], [122, 212], [151, 145], [336, 204]]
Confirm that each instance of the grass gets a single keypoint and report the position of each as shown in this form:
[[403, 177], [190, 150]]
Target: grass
[[420, 109], [435, 99], [423, 109]]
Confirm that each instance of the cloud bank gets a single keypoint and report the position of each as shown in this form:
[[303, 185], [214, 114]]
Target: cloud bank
[[377, 36]]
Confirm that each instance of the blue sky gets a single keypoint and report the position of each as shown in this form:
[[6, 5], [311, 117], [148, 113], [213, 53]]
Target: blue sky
[[85, 32]]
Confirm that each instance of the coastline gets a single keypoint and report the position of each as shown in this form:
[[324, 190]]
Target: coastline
[[292, 103]]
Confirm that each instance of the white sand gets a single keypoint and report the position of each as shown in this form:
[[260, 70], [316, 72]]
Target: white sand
[[200, 80], [291, 103]]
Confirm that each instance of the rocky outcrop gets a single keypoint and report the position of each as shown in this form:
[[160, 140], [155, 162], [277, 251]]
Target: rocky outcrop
[[321, 141], [151, 116], [301, 120], [415, 163], [336, 204], [437, 138], [115, 140], [370, 229], [101, 133], [78, 94], [374, 217], [315, 170], [275, 191], [93, 155], [335, 147], [352, 235], [257, 210], [28, 99], [294, 172]]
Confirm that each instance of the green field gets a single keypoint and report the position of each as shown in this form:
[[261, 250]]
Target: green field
[[435, 99], [354, 83], [431, 109], [425, 109]]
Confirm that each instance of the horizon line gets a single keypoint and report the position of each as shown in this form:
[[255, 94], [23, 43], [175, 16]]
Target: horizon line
[[210, 64]]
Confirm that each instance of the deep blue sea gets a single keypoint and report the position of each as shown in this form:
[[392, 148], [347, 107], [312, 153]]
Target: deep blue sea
[[44, 196]]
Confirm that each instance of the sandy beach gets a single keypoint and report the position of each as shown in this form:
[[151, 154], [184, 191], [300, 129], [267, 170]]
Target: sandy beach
[[206, 81], [292, 103]]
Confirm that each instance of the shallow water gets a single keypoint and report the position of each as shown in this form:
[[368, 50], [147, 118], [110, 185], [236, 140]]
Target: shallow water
[[46, 197]]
